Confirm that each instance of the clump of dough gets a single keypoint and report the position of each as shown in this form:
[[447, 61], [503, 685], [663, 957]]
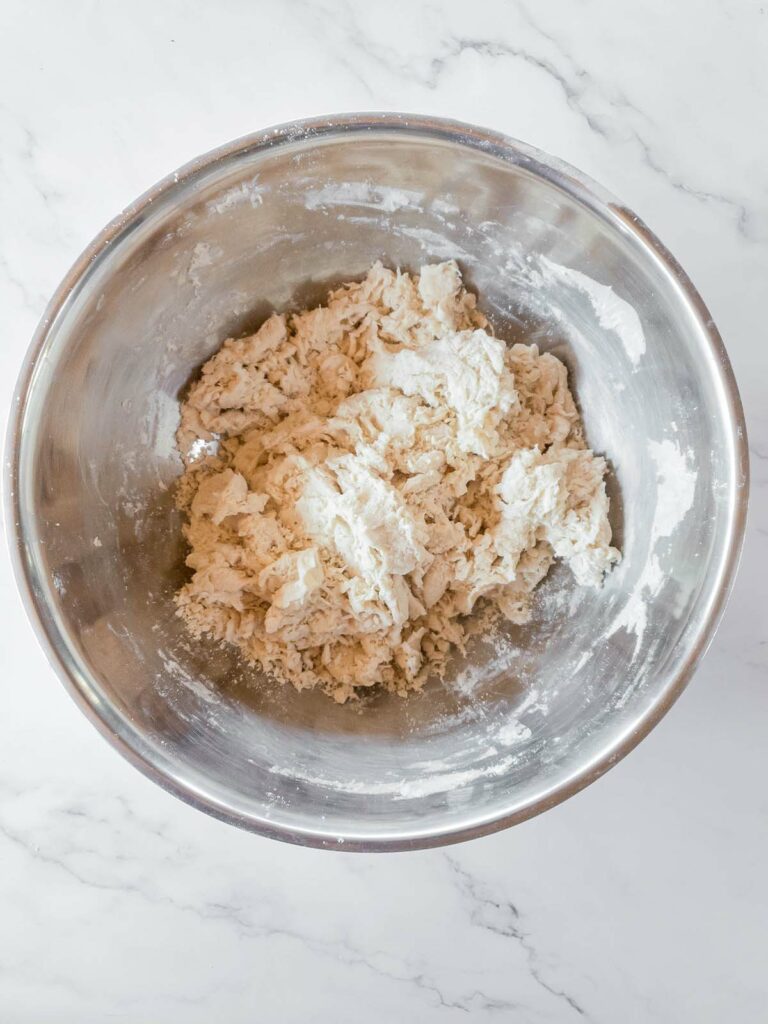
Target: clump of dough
[[383, 464]]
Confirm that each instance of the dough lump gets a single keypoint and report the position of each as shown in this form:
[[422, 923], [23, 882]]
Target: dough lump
[[382, 464]]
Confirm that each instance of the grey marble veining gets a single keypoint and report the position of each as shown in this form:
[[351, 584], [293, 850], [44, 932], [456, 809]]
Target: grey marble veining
[[643, 899]]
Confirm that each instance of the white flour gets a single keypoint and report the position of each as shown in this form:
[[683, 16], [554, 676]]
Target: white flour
[[362, 193], [399, 789], [675, 487], [676, 483], [246, 192], [612, 312]]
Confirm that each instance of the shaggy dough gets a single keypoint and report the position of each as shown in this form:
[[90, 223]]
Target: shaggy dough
[[383, 463]]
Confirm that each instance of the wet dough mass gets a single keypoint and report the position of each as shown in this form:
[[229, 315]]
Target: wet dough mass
[[384, 463]]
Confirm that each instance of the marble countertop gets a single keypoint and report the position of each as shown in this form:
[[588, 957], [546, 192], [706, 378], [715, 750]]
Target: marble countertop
[[645, 898]]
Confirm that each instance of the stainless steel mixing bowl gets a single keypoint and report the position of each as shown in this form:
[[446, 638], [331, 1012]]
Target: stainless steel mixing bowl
[[270, 222]]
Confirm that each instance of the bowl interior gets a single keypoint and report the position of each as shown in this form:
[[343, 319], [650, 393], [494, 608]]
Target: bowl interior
[[272, 226]]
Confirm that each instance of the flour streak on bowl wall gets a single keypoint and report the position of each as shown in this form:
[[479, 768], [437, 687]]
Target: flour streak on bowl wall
[[270, 223]]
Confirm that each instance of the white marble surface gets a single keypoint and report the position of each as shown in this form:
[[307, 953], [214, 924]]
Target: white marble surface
[[643, 899]]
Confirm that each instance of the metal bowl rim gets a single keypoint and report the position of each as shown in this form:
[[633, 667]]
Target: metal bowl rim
[[552, 170]]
